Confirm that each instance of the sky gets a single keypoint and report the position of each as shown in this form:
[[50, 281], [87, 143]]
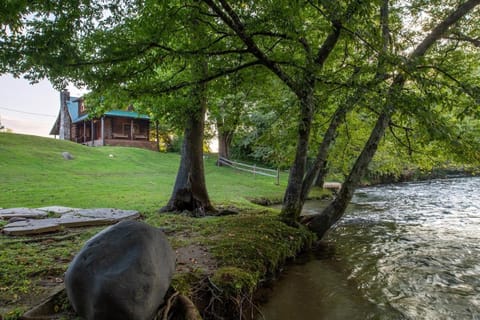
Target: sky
[[29, 109]]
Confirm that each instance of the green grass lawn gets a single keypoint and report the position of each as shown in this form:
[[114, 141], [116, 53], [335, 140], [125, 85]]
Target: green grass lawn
[[33, 173], [242, 249]]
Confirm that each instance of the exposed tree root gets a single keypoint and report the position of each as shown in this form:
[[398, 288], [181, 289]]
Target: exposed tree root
[[178, 307], [197, 209], [216, 303]]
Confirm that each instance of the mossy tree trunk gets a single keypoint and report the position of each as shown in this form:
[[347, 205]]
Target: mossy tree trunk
[[334, 211]]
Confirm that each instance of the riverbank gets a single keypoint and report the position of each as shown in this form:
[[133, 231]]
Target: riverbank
[[412, 175], [221, 261]]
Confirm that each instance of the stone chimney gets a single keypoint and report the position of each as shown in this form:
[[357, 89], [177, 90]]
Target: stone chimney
[[65, 121]]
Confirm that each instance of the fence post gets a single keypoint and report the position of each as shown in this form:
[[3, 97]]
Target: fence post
[[254, 169], [278, 176]]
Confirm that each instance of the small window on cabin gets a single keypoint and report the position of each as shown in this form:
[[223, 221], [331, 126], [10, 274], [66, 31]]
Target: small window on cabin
[[82, 108]]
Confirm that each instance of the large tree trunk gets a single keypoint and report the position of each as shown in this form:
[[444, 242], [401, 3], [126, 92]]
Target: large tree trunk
[[322, 222], [319, 169], [333, 212], [292, 204], [190, 190], [292, 201]]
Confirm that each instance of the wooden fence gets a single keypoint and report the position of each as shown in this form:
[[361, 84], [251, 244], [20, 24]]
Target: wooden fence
[[251, 168]]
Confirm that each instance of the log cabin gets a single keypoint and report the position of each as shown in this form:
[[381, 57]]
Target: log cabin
[[114, 128]]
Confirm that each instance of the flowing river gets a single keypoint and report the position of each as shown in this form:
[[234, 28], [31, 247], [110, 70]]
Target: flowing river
[[403, 251]]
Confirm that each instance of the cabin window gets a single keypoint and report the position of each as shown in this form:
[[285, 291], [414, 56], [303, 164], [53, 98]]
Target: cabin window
[[81, 107]]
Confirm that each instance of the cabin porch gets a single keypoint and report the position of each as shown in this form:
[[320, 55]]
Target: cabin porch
[[113, 131]]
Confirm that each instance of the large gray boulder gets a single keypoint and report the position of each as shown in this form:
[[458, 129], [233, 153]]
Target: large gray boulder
[[122, 273]]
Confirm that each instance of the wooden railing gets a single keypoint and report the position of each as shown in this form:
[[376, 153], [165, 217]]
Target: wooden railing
[[251, 169]]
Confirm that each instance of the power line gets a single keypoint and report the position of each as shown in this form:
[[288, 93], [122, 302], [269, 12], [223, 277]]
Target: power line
[[30, 113]]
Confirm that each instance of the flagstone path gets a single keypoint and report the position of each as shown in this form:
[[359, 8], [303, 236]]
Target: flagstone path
[[27, 221]]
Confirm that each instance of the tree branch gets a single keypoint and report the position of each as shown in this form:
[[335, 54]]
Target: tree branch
[[230, 18], [179, 86], [468, 91], [461, 37], [442, 28], [334, 35], [328, 44]]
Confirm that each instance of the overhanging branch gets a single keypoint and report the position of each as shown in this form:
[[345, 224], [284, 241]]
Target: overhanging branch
[[161, 88]]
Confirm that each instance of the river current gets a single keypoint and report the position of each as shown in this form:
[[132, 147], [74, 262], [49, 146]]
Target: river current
[[402, 251]]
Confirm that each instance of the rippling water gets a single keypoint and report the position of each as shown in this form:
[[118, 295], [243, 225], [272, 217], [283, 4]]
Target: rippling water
[[404, 251]]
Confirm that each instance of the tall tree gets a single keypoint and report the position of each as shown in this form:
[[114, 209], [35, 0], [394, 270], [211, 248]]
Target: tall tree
[[231, 99], [318, 170], [310, 66], [190, 189], [334, 211]]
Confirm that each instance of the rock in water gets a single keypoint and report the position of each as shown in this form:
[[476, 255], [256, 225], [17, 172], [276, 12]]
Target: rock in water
[[122, 273]]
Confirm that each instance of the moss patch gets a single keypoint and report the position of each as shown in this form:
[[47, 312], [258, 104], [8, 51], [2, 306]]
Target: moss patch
[[235, 281]]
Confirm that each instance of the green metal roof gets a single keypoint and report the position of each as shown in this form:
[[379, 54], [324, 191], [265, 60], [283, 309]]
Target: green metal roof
[[127, 114], [118, 113]]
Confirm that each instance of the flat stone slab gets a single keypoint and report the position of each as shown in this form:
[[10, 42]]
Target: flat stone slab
[[31, 226], [106, 213], [76, 222], [70, 218], [6, 214], [58, 209]]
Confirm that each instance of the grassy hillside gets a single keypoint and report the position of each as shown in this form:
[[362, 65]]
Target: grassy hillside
[[33, 173]]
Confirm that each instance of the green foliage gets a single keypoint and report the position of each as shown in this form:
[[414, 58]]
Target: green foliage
[[153, 53], [175, 144]]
